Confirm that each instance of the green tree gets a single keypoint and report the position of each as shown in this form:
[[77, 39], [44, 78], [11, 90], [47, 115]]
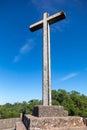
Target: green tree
[[33, 103]]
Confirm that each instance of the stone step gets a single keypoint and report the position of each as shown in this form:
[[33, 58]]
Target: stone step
[[83, 128], [69, 128], [20, 126], [54, 123], [74, 128]]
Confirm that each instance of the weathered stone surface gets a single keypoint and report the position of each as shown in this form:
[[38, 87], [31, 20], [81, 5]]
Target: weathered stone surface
[[74, 128], [20, 126], [49, 111], [54, 123], [9, 129], [8, 123]]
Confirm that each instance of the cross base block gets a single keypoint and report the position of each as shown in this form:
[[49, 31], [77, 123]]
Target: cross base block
[[49, 111]]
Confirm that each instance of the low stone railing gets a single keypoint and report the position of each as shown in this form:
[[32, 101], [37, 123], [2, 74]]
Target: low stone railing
[[26, 121], [8, 123]]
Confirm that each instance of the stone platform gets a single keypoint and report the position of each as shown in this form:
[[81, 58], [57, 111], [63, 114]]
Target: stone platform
[[49, 111], [54, 123]]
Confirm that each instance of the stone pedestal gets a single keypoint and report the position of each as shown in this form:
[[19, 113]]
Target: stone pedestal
[[52, 118], [49, 111]]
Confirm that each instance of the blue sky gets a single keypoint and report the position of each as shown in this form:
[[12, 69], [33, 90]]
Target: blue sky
[[21, 50]]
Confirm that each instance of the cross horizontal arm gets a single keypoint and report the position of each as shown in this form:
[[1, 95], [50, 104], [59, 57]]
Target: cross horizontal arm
[[51, 19], [36, 26], [56, 17]]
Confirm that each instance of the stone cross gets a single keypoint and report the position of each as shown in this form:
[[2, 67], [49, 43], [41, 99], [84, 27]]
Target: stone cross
[[47, 20]]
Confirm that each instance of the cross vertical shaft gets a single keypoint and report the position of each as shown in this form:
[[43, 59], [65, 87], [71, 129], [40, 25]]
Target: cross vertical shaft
[[45, 24], [46, 62]]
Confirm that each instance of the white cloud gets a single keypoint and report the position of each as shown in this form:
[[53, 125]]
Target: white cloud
[[26, 48], [58, 28], [69, 76], [16, 59]]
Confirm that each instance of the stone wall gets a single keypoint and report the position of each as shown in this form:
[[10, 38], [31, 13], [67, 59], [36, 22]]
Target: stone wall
[[8, 123]]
